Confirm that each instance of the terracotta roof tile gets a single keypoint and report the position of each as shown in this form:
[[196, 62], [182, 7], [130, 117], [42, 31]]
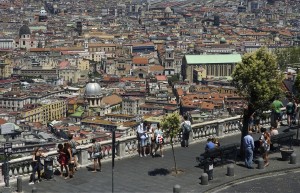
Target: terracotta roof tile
[[140, 60], [112, 100], [156, 68]]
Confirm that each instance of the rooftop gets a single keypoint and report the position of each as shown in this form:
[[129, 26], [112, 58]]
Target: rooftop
[[213, 59]]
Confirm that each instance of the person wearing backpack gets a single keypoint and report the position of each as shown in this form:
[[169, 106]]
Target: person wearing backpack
[[97, 154], [186, 128], [159, 139], [290, 111], [73, 145]]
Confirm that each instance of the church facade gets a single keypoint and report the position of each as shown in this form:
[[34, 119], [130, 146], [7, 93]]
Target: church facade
[[216, 65]]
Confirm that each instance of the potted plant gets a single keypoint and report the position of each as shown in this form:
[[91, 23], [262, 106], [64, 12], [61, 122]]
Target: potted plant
[[286, 153]]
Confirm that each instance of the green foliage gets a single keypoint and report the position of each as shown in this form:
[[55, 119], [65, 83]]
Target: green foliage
[[258, 79], [173, 78], [288, 57], [171, 125], [297, 87]]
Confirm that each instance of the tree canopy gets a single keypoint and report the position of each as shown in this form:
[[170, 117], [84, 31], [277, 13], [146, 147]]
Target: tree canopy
[[288, 57], [258, 79], [297, 87]]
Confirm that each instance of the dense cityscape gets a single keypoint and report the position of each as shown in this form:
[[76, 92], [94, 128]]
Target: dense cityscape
[[87, 67]]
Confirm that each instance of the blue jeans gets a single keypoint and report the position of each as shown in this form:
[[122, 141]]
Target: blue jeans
[[248, 157]]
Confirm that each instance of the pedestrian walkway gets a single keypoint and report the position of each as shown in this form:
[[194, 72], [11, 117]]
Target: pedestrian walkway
[[149, 174]]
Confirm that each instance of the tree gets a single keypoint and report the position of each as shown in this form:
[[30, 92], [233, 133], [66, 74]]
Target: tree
[[297, 87], [258, 80], [171, 125], [288, 57]]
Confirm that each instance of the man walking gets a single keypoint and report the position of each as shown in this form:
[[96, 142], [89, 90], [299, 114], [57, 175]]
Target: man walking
[[248, 147]]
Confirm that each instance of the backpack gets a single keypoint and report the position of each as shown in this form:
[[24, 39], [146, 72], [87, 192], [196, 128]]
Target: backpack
[[186, 128], [73, 147], [159, 137], [97, 148], [289, 108]]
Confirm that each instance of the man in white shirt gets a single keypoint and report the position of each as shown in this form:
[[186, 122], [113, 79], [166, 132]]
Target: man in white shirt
[[142, 137]]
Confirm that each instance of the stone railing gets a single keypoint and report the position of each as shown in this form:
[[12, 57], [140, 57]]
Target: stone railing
[[128, 146]]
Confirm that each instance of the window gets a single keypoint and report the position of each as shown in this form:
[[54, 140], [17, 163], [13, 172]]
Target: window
[[23, 43]]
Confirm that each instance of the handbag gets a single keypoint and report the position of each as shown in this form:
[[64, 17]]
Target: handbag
[[97, 155]]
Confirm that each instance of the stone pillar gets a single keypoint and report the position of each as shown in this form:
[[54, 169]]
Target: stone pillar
[[191, 134], [121, 149], [261, 163], [293, 159], [176, 188], [220, 128], [19, 184], [204, 179], [83, 157], [230, 170]]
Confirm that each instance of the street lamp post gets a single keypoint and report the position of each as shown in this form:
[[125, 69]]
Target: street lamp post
[[7, 153], [113, 157]]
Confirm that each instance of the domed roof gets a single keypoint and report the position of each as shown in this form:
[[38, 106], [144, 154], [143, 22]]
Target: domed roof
[[191, 45], [277, 39], [24, 30], [222, 40], [168, 10], [215, 32], [92, 89]]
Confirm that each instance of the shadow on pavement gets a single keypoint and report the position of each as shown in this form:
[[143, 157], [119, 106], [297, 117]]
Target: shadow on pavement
[[160, 171]]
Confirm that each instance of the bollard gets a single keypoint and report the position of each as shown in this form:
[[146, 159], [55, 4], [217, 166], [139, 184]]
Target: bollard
[[176, 188], [34, 190], [19, 184], [204, 179], [293, 158], [261, 163], [230, 170]]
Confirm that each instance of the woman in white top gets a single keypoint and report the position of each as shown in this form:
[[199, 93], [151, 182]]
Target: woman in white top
[[159, 140]]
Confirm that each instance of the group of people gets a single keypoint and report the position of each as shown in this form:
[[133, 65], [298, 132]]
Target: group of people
[[263, 145], [291, 112], [67, 158], [277, 114], [151, 137]]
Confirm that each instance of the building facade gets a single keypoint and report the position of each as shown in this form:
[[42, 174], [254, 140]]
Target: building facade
[[214, 65]]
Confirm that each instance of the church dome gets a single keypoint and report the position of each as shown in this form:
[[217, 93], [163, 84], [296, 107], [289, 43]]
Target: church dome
[[24, 30], [277, 39], [168, 10], [223, 40], [92, 89]]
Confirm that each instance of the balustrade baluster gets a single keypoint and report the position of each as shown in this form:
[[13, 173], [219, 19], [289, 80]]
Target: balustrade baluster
[[11, 170], [25, 169]]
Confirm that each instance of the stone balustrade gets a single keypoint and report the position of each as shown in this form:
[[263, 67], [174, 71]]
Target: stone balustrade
[[128, 146]]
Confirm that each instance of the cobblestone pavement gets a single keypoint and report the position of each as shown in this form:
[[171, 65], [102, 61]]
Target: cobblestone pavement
[[149, 174]]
